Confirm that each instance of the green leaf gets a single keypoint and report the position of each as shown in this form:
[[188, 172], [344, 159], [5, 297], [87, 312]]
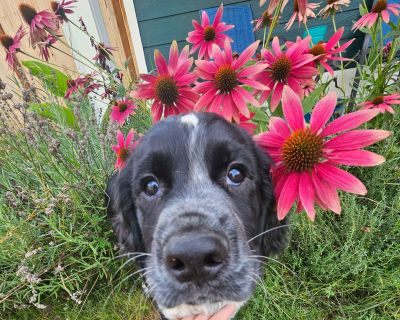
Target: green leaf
[[393, 33], [54, 80], [311, 100], [363, 10], [56, 113]]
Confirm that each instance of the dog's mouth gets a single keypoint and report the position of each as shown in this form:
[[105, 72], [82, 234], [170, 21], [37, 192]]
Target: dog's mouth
[[208, 309]]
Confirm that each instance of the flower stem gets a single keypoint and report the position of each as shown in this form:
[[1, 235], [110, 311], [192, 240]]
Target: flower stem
[[340, 54], [274, 22], [309, 34]]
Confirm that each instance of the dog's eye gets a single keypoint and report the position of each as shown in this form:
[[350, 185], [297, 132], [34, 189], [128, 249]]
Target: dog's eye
[[151, 187], [235, 176]]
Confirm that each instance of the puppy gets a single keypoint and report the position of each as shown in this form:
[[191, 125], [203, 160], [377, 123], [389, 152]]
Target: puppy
[[192, 196]]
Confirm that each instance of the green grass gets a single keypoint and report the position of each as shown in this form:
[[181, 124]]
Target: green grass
[[339, 267]]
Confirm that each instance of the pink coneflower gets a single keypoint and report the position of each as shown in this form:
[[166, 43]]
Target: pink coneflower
[[222, 89], [264, 21], [84, 82], [171, 87], [103, 54], [39, 22], [61, 9], [329, 51], [124, 148], [306, 160], [44, 47], [122, 110], [332, 6], [12, 46], [207, 34], [274, 3], [382, 103], [291, 68], [301, 17], [380, 9]]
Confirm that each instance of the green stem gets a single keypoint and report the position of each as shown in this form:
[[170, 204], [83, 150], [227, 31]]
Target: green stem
[[274, 22], [340, 54], [308, 32]]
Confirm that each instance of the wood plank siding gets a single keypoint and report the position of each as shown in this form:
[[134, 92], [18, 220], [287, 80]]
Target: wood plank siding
[[161, 22]]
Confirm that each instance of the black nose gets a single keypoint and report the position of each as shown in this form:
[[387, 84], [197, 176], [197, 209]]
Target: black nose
[[194, 257]]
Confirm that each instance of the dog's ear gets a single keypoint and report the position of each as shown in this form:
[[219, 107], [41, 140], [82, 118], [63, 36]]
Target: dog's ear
[[121, 211], [275, 240]]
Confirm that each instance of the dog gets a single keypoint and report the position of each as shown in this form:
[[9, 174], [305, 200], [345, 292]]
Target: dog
[[196, 197]]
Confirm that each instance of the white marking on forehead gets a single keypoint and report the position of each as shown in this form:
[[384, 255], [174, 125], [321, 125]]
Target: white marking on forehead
[[190, 119]]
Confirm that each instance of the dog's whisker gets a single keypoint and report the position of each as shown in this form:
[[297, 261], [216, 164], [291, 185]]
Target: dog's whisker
[[269, 230], [131, 253], [127, 262]]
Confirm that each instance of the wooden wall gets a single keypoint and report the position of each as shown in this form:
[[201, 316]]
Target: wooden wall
[[162, 21], [11, 19], [114, 19]]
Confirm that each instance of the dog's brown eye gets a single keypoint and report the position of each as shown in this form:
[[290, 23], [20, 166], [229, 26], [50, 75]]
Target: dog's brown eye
[[235, 176], [151, 187]]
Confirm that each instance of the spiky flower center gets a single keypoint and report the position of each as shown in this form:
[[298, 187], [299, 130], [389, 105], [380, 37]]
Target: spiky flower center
[[280, 69], [318, 49], [71, 83], [123, 154], [6, 41], [378, 100], [209, 33], [266, 19], [302, 150], [28, 12], [54, 6], [166, 90], [225, 78], [379, 6], [122, 107], [331, 2]]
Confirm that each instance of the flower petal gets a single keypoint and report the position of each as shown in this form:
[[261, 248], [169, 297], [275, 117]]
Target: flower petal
[[292, 109], [306, 194], [356, 158], [322, 112], [340, 179], [288, 195], [356, 139]]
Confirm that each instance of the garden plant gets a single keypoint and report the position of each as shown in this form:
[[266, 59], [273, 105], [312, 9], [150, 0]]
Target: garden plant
[[336, 174]]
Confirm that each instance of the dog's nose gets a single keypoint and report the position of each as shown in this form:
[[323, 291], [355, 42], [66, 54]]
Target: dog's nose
[[194, 257]]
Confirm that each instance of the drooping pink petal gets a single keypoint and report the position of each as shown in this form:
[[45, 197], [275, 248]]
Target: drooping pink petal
[[306, 194], [340, 179], [288, 195], [326, 194], [362, 158], [323, 110], [292, 109]]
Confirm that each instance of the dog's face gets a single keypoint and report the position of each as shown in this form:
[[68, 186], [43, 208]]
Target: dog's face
[[194, 192]]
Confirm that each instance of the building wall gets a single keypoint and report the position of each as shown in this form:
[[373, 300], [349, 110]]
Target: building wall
[[162, 21]]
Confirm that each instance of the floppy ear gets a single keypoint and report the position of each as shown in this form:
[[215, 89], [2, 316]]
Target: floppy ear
[[121, 211], [275, 240]]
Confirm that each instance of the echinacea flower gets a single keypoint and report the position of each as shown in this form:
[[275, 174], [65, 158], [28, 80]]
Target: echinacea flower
[[301, 17], [124, 148], [122, 110], [307, 156], [332, 6], [264, 21], [223, 80], [103, 54], [291, 67], [274, 3], [382, 103], [246, 124], [12, 46], [61, 9], [380, 9], [44, 46], [207, 34], [40, 23], [84, 82], [171, 87], [329, 51]]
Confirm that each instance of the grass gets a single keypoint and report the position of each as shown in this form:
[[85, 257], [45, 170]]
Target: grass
[[339, 267]]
